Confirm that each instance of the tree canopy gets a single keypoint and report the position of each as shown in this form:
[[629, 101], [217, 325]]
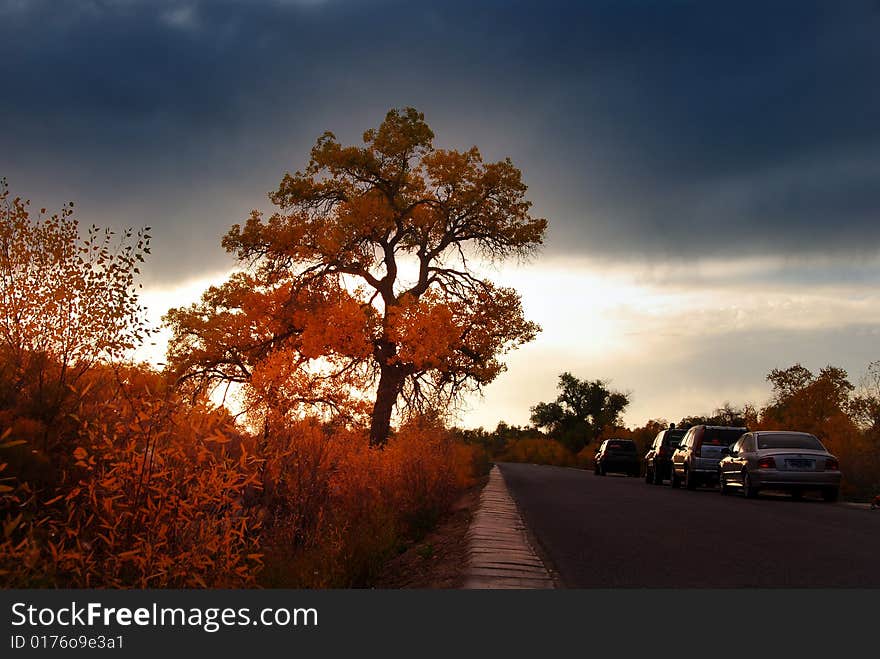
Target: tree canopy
[[726, 415], [581, 410], [820, 404], [363, 281]]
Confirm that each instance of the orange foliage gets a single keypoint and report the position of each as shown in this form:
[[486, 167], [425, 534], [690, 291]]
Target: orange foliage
[[302, 351], [539, 451], [154, 492], [339, 507], [72, 299], [66, 304], [148, 492], [424, 330]]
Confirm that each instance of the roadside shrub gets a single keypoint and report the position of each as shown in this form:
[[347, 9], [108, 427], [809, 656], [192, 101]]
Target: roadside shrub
[[584, 458], [471, 462], [539, 451], [337, 508], [143, 489], [144, 492]]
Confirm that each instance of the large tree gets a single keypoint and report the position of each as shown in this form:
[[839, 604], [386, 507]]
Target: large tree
[[581, 411], [363, 279]]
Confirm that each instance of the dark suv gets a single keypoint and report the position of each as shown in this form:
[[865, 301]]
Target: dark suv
[[659, 456], [617, 455], [696, 459]]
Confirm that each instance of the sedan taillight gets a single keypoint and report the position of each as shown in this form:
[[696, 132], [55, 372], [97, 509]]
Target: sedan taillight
[[831, 464], [766, 463]]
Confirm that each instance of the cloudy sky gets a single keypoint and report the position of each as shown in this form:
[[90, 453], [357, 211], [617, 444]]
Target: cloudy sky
[[711, 171]]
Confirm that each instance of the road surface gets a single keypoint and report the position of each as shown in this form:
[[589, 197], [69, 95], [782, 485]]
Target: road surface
[[614, 531]]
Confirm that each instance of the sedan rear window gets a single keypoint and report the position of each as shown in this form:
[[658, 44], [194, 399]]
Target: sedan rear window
[[621, 446], [781, 440]]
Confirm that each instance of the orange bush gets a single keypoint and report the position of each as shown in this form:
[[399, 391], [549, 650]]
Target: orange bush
[[470, 462], [145, 490], [349, 506], [147, 493], [539, 451]]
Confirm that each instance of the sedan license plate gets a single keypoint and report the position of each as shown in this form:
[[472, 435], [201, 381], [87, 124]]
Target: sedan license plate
[[800, 464]]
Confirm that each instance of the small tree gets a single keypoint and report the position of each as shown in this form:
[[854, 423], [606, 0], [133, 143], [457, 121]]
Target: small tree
[[866, 411], [65, 303], [325, 296], [866, 405], [580, 412]]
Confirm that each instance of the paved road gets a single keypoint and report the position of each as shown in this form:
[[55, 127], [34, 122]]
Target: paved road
[[614, 531]]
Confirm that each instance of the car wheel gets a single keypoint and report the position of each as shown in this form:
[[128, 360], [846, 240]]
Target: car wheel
[[649, 476], [690, 480], [596, 469], [830, 494], [797, 494], [674, 480], [602, 471], [723, 487], [748, 489]]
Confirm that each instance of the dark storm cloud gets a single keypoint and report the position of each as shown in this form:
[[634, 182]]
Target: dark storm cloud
[[642, 127]]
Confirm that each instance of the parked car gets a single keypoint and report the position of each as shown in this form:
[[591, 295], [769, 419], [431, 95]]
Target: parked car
[[617, 455], [696, 459], [657, 459], [786, 460]]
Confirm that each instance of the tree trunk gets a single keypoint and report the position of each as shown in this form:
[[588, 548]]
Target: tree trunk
[[390, 382]]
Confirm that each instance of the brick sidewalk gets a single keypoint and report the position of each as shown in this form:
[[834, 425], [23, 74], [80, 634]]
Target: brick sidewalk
[[499, 553]]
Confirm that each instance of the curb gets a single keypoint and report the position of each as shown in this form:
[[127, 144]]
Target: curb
[[499, 553]]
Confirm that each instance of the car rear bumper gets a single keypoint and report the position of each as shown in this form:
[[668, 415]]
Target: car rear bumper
[[783, 479]]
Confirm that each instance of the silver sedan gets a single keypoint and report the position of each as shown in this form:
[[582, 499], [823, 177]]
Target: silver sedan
[[779, 460]]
